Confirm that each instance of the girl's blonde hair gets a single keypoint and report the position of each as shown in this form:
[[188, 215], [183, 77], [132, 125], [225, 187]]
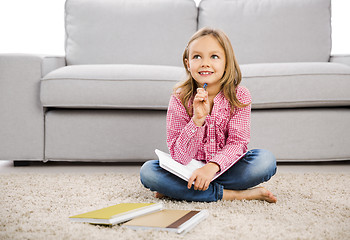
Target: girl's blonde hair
[[229, 81]]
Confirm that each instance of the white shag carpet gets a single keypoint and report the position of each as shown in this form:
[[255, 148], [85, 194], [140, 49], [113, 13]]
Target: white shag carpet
[[37, 206]]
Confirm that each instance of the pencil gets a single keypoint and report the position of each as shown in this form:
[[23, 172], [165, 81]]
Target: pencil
[[205, 86]]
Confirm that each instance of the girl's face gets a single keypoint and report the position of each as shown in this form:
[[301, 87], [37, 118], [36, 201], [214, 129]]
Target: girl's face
[[206, 60]]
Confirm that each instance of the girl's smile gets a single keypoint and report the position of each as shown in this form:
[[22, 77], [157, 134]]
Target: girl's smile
[[206, 73]]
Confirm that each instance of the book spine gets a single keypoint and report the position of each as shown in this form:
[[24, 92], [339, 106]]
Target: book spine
[[183, 219]]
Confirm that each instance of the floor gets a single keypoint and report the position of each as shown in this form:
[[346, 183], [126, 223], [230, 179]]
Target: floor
[[86, 167]]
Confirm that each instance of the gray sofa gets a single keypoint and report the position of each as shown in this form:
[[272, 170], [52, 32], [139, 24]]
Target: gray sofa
[[106, 99]]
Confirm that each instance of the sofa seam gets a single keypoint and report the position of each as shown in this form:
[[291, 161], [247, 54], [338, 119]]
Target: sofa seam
[[258, 76], [271, 105], [107, 105], [104, 79], [165, 106], [290, 75]]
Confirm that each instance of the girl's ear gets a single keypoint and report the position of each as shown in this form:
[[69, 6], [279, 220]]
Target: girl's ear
[[187, 64]]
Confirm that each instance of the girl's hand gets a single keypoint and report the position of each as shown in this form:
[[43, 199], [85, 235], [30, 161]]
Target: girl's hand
[[203, 176], [201, 107]]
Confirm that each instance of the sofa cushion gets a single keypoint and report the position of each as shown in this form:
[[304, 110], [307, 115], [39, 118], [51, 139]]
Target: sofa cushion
[[268, 31], [152, 32], [272, 85], [110, 86], [287, 85]]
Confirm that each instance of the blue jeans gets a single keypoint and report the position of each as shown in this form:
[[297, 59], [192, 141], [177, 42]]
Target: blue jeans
[[257, 166]]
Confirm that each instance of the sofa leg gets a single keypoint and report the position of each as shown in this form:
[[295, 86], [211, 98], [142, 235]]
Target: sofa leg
[[21, 163]]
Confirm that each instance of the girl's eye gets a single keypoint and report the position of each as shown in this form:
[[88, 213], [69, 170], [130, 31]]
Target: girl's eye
[[215, 57], [196, 57]]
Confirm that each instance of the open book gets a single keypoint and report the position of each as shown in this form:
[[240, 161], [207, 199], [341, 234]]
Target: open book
[[179, 221], [115, 214], [184, 171]]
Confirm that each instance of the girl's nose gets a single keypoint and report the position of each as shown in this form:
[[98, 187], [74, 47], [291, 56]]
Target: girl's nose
[[205, 63]]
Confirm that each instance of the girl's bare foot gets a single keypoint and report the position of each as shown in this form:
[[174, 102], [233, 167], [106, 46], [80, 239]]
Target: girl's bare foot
[[159, 195], [258, 193]]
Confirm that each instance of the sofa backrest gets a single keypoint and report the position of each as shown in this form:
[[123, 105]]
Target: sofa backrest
[[272, 30], [151, 32]]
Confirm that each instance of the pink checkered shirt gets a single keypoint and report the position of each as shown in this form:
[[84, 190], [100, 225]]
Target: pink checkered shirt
[[222, 139]]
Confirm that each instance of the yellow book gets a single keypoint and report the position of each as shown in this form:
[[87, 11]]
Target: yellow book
[[117, 214]]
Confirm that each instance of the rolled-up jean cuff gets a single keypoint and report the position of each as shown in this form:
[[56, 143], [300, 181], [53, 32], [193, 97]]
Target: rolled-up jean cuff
[[219, 191]]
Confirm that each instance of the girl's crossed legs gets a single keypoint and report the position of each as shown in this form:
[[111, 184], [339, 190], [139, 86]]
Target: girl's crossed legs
[[257, 166]]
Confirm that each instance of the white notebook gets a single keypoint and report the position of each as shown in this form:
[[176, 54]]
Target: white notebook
[[184, 171]]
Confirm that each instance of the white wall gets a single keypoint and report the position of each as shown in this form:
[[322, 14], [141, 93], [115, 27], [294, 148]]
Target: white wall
[[37, 26], [340, 26]]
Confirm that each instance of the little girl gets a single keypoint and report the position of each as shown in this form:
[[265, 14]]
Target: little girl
[[208, 119]]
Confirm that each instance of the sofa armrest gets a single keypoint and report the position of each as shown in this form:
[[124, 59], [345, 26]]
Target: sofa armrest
[[22, 116], [344, 58]]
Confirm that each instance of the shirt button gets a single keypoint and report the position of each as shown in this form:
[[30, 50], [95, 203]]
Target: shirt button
[[193, 130], [213, 154], [211, 125], [212, 140]]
